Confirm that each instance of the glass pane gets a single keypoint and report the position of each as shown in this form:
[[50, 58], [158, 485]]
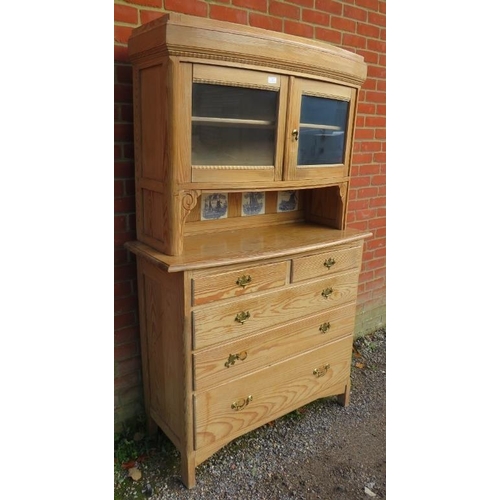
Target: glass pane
[[233, 125], [322, 131]]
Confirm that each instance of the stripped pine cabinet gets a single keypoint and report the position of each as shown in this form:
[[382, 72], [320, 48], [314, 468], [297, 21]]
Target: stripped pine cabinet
[[246, 270]]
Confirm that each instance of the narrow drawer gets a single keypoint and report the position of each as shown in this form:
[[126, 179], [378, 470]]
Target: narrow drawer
[[323, 264], [213, 287], [248, 315], [220, 364], [232, 409]]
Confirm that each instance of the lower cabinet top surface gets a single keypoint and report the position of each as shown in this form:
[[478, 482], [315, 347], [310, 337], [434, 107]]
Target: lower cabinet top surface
[[203, 251]]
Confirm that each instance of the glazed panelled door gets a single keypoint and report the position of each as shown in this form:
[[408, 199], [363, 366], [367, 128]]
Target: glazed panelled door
[[319, 132], [236, 125]]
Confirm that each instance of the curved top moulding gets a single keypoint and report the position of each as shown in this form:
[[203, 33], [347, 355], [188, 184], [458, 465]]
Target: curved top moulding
[[200, 38]]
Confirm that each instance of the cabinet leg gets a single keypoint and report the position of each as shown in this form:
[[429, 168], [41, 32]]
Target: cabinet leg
[[188, 470], [345, 398]]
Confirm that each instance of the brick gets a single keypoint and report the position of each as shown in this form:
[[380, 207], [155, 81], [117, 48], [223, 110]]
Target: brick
[[124, 132], [366, 108], [124, 169], [379, 180], [147, 3], [281, 9], [130, 365], [375, 18], [329, 6], [128, 380], [375, 97], [125, 204], [375, 121], [299, 29], [357, 182], [126, 14], [122, 33], [373, 146], [315, 17], [350, 40], [131, 395], [355, 13], [126, 335], [381, 85], [121, 53], [375, 263], [120, 223], [125, 304], [120, 256], [118, 152], [369, 56], [130, 187], [364, 133], [365, 214], [303, 3], [368, 192], [380, 134], [368, 4], [367, 30], [265, 22], [375, 284], [376, 45], [343, 24], [228, 14], [119, 188], [193, 7], [123, 73], [377, 202], [361, 226], [126, 113], [122, 273], [328, 35], [382, 6], [126, 351], [252, 4], [147, 16], [124, 320], [370, 169], [122, 238], [122, 289], [123, 93], [358, 205], [128, 151]]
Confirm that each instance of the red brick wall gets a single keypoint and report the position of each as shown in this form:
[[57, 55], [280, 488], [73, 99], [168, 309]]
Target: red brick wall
[[356, 25]]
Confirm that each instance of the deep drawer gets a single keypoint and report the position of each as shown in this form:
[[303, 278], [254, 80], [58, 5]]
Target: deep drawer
[[223, 363], [230, 410], [327, 263], [218, 286], [247, 315]]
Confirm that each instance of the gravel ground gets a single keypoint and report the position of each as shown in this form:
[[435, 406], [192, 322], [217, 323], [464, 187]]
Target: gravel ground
[[322, 450]]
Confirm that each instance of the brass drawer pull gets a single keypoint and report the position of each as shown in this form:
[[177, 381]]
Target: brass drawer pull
[[329, 262], [233, 357], [243, 281], [324, 327], [242, 316], [295, 134], [319, 372], [327, 292], [241, 403]]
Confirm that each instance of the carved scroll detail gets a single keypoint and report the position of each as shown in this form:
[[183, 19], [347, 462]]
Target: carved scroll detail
[[343, 191], [189, 201]]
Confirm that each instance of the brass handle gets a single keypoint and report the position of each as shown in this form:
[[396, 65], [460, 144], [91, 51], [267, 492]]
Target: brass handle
[[243, 281], [329, 262], [324, 327], [319, 372], [242, 316], [233, 357], [295, 134], [327, 292], [241, 403]]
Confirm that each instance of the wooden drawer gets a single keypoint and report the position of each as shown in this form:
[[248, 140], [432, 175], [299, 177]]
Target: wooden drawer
[[232, 360], [323, 264], [221, 323], [218, 286], [265, 395]]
